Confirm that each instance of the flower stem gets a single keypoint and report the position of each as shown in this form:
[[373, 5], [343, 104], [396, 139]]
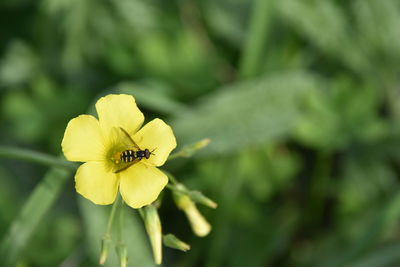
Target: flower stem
[[121, 221], [189, 150], [112, 215], [174, 188], [196, 196], [171, 177], [37, 157], [175, 155], [106, 240], [121, 247]]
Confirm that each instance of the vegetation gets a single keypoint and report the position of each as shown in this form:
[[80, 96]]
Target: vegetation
[[299, 98]]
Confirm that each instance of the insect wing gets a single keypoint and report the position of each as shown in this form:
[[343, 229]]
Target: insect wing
[[127, 140], [125, 166]]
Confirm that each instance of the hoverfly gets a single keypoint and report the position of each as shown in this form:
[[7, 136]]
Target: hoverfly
[[131, 156]]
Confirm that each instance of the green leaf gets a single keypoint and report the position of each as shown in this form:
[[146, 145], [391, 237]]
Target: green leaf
[[33, 212], [246, 114], [381, 257], [18, 65], [152, 95], [380, 40], [382, 223], [257, 36], [354, 238], [226, 19], [324, 24]]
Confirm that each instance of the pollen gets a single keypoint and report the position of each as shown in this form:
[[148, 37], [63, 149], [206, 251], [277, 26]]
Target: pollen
[[116, 158]]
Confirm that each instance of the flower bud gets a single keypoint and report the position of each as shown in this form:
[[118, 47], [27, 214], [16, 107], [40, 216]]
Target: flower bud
[[198, 223], [153, 228], [201, 144], [122, 255], [105, 242], [172, 241]]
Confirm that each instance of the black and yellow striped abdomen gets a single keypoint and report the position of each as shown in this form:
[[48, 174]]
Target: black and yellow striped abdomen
[[128, 156], [132, 155]]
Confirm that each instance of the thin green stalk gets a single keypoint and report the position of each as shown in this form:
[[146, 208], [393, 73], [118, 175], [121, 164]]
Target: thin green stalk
[[188, 150], [36, 157], [106, 241], [112, 215], [121, 222], [175, 155], [256, 39], [174, 188], [171, 177], [121, 246]]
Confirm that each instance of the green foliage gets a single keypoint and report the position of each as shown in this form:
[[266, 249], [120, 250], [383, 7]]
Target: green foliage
[[246, 114], [32, 214], [95, 222], [299, 98]]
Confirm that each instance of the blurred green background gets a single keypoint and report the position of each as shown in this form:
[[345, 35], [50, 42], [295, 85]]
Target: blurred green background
[[301, 99]]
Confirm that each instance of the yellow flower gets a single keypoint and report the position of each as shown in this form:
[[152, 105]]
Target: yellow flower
[[101, 145]]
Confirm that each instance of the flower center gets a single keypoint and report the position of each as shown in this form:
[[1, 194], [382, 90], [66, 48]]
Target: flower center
[[123, 151], [118, 143]]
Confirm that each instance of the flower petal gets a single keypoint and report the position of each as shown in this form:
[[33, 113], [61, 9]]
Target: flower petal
[[83, 140], [156, 136], [119, 111], [140, 184], [96, 184]]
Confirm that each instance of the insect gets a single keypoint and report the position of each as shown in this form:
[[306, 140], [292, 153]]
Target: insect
[[131, 156]]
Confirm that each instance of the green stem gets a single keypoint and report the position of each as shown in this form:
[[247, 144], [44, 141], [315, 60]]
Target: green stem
[[175, 155], [185, 152], [188, 150], [112, 215], [173, 188], [37, 157], [121, 247], [121, 222], [256, 39], [171, 177], [106, 240]]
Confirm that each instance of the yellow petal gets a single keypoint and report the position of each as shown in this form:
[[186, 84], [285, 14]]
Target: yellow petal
[[158, 137], [140, 184], [119, 111], [83, 140], [96, 184]]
